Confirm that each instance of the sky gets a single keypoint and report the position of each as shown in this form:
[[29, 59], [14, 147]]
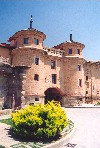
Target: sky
[[56, 18]]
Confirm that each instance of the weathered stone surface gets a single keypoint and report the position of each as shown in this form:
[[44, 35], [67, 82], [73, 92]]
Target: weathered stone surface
[[18, 73]]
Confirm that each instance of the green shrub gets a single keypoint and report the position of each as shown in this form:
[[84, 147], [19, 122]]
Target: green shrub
[[6, 121], [98, 103], [40, 121], [1, 146]]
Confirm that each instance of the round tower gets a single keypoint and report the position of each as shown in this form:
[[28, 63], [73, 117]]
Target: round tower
[[73, 72], [27, 61]]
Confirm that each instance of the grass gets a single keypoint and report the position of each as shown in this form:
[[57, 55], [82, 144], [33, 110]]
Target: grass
[[1, 146], [6, 121], [98, 103], [20, 144]]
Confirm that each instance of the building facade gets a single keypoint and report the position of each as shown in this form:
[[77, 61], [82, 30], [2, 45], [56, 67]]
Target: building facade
[[31, 73]]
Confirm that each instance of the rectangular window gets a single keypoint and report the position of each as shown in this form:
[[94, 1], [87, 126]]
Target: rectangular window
[[36, 60], [36, 77], [25, 40], [79, 67], [78, 51], [54, 78], [80, 82], [53, 64], [70, 51], [36, 41], [87, 84], [36, 99], [86, 78], [86, 92]]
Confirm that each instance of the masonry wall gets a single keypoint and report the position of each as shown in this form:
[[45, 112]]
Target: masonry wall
[[18, 41], [5, 55], [17, 84], [92, 85], [34, 89]]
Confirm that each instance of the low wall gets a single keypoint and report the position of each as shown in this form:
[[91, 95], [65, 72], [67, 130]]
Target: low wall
[[5, 112]]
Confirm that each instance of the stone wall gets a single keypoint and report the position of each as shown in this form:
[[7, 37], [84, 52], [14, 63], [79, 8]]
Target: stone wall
[[5, 56], [17, 84], [92, 85]]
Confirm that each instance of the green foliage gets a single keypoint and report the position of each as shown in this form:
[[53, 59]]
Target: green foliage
[[40, 121], [98, 103], [6, 121], [1, 146]]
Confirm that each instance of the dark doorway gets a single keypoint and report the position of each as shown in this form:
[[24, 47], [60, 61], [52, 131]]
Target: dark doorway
[[53, 94]]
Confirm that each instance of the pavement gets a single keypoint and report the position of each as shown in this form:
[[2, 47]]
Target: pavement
[[86, 135], [87, 123]]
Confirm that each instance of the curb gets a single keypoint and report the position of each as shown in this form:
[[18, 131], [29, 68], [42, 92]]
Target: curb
[[60, 142]]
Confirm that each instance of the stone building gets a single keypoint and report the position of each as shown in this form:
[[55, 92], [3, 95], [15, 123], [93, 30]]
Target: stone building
[[32, 73]]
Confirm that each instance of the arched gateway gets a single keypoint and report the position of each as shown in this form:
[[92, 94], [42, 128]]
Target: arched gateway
[[53, 94]]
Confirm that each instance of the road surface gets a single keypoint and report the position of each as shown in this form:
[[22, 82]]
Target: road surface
[[87, 122]]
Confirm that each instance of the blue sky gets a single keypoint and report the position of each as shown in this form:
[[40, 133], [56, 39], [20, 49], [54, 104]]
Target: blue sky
[[56, 18]]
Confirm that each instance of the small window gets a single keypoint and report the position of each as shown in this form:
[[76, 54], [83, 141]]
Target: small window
[[70, 51], [36, 77], [25, 40], [86, 78], [54, 78], [79, 67], [36, 60], [80, 99], [78, 51], [80, 82], [93, 88], [53, 64], [36, 99], [36, 41], [87, 84], [86, 92]]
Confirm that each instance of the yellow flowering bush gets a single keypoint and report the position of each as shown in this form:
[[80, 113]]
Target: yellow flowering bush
[[39, 121]]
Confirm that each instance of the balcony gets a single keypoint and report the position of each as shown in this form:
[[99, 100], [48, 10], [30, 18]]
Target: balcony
[[53, 51]]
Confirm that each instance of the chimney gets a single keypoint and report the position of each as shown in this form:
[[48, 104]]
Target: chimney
[[71, 37]]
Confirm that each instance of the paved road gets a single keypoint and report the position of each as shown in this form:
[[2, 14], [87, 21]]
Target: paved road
[[87, 122]]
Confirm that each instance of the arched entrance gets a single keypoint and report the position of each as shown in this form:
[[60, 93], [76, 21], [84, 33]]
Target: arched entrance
[[53, 94]]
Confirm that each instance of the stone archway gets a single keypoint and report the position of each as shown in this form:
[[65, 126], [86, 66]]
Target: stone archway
[[53, 94]]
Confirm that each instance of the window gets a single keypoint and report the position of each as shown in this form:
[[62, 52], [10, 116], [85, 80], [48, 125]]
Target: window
[[54, 78], [79, 67], [87, 84], [70, 51], [86, 92], [25, 40], [80, 99], [53, 64], [36, 41], [36, 60], [36, 77], [86, 78], [78, 51], [36, 99], [80, 82]]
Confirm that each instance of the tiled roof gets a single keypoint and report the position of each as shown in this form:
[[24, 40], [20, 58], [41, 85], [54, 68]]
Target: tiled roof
[[19, 33], [69, 42]]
